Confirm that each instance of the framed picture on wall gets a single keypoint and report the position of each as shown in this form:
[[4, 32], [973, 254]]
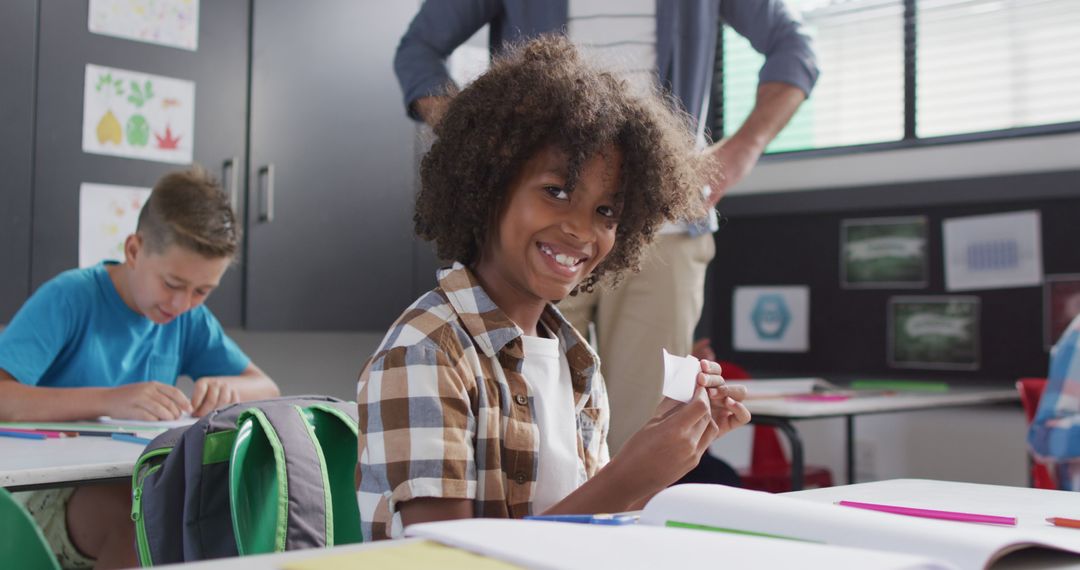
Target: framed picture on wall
[[1061, 304], [883, 253], [933, 332]]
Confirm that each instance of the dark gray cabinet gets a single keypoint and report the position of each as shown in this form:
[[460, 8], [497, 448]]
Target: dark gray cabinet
[[17, 41], [219, 70], [331, 172]]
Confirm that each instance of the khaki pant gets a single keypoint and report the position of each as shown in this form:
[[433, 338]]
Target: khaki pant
[[649, 311]]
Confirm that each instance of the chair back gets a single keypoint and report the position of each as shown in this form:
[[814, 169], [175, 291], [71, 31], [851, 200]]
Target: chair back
[[22, 545], [1031, 391]]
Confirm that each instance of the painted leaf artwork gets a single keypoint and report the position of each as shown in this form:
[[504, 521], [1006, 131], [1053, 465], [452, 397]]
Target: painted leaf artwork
[[173, 23], [138, 115], [107, 214]]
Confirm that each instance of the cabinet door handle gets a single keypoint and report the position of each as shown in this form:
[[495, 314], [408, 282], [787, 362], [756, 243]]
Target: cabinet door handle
[[266, 193], [230, 174]]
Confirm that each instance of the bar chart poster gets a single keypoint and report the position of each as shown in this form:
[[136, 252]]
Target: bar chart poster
[[934, 332], [996, 251]]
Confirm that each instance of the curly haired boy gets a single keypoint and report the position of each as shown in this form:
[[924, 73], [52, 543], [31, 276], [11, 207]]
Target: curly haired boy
[[482, 401]]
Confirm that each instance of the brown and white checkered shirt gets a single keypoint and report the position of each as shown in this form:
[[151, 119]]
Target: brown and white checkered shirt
[[445, 412]]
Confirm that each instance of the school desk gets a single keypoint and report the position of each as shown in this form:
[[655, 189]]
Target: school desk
[[782, 412], [56, 462]]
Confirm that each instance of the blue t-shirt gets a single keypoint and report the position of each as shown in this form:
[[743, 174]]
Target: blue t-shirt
[[76, 332]]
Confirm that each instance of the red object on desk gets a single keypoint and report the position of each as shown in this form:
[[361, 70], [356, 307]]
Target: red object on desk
[[769, 468], [1031, 390], [1062, 521], [819, 398]]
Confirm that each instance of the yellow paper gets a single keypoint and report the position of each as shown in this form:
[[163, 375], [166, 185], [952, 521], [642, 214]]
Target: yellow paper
[[409, 555]]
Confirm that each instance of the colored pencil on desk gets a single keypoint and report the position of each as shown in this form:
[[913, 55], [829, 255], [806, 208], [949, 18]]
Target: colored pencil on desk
[[21, 434], [45, 432], [932, 514], [1062, 521], [130, 438], [101, 433]]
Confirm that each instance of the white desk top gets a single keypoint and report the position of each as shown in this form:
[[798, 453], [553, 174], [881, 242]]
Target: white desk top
[[897, 402], [25, 462]]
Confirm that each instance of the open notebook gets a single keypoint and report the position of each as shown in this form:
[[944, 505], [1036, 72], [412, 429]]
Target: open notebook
[[757, 530], [959, 545], [571, 546]]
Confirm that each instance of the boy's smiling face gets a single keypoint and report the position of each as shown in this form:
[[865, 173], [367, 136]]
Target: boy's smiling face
[[162, 286], [548, 239]]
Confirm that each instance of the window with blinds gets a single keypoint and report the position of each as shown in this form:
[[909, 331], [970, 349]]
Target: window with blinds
[[977, 66], [986, 65]]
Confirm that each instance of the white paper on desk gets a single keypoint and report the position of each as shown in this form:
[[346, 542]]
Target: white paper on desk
[[680, 376], [993, 252], [184, 420], [546, 544]]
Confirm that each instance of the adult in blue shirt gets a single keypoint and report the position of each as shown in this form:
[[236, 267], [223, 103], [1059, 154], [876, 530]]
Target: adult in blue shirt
[[672, 43]]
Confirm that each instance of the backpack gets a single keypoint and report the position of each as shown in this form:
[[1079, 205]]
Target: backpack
[[252, 477]]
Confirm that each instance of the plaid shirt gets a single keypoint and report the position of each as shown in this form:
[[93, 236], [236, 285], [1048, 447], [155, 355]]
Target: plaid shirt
[[445, 412], [1055, 430]]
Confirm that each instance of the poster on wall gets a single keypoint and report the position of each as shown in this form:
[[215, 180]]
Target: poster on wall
[[107, 215], [173, 23], [1061, 301], [138, 115], [995, 251], [771, 319], [883, 252], [934, 332]]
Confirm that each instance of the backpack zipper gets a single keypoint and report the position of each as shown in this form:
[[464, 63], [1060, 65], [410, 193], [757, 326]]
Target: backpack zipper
[[142, 542]]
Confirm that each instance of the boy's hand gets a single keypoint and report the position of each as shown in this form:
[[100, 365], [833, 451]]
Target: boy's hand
[[669, 445], [148, 401], [211, 393], [726, 401]]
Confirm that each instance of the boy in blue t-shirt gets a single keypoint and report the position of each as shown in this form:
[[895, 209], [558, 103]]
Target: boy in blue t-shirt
[[111, 340]]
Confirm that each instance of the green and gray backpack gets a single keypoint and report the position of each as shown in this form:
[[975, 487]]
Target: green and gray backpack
[[249, 478]]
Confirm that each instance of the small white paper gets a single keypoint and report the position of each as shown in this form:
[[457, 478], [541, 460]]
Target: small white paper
[[173, 23], [771, 319], [993, 252], [107, 215], [680, 376], [184, 420], [138, 115]]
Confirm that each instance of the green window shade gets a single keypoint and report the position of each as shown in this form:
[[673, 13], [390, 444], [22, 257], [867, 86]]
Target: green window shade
[[986, 65]]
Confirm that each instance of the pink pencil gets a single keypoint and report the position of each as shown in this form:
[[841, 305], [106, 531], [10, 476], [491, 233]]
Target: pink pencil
[[932, 514], [44, 432]]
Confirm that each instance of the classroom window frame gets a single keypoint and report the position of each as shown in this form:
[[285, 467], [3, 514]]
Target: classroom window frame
[[715, 118]]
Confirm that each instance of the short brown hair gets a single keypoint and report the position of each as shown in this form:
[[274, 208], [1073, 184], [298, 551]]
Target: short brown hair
[[189, 209], [541, 94]]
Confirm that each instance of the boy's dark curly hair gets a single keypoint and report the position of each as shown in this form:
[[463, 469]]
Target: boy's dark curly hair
[[539, 94]]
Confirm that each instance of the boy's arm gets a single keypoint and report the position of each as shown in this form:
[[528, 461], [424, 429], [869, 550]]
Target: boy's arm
[[212, 392], [141, 401]]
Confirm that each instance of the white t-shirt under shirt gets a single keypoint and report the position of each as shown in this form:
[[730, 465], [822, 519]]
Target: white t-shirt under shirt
[[547, 373], [620, 35]]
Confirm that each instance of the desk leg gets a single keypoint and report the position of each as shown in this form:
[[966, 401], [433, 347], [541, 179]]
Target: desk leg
[[798, 463], [850, 449]]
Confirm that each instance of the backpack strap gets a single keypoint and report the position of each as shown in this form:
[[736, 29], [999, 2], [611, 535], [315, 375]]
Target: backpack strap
[[300, 504]]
